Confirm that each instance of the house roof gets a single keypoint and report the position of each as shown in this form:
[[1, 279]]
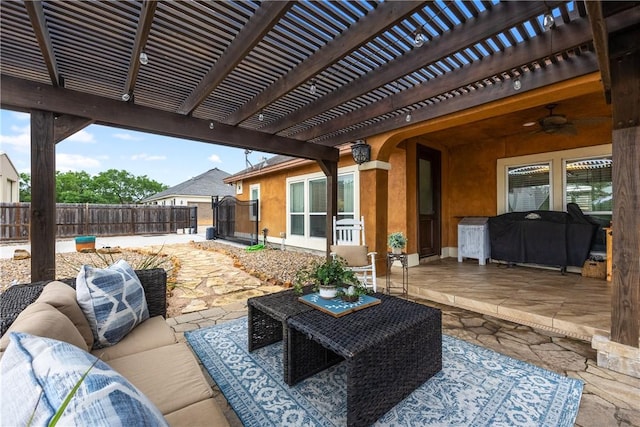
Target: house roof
[[292, 78], [209, 183]]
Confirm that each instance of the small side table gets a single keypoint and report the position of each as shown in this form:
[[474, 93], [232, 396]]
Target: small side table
[[404, 260]]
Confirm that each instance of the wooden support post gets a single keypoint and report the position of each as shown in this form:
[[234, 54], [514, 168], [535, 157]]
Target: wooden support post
[[625, 96], [43, 197], [330, 169]]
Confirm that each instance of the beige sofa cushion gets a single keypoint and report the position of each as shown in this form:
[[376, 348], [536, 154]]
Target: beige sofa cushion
[[151, 333], [204, 413], [63, 297], [355, 255], [43, 320], [169, 376]]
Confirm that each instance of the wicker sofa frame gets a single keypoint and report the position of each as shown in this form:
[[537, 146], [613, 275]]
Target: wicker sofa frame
[[17, 297]]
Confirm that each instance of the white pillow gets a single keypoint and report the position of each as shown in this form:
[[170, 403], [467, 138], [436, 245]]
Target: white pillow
[[39, 373], [113, 301]]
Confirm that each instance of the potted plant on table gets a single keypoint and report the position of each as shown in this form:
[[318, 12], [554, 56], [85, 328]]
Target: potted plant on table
[[397, 242], [329, 278]]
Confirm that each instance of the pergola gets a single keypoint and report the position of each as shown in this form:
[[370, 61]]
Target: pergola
[[302, 78]]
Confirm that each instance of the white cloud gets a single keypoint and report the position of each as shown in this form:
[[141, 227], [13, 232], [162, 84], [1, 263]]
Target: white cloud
[[21, 139], [127, 137], [214, 158], [82, 136], [21, 116], [75, 162], [147, 157]]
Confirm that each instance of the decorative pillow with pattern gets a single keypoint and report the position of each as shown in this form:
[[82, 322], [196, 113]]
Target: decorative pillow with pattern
[[39, 373], [113, 301]]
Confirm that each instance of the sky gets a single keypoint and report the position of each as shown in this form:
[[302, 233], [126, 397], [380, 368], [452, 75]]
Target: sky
[[96, 148]]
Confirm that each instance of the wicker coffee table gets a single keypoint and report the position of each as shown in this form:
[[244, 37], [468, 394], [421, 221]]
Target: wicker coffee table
[[267, 324], [390, 349]]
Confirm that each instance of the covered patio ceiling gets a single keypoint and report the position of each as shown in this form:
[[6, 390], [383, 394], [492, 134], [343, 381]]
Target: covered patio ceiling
[[293, 78]]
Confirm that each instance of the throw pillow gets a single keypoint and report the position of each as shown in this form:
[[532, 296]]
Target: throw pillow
[[38, 374], [355, 255], [113, 301]]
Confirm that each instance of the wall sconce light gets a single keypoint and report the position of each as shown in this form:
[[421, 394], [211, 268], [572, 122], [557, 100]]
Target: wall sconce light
[[361, 152], [144, 58]]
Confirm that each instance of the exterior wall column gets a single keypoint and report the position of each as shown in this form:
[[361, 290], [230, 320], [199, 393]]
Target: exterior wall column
[[374, 196]]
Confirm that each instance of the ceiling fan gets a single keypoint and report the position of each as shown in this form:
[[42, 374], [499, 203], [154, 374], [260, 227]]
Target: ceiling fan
[[556, 123]]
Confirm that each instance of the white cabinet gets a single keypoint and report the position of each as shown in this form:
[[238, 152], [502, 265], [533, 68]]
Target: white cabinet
[[473, 239]]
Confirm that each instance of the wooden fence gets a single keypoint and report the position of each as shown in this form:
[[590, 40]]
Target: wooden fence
[[77, 219]]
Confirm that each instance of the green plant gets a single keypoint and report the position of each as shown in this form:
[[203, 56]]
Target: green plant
[[397, 240], [330, 272]]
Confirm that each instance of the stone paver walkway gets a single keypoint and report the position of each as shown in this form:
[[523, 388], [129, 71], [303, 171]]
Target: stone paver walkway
[[609, 398]]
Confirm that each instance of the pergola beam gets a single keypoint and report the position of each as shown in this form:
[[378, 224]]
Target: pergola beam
[[600, 43], [566, 70], [265, 18], [39, 24], [535, 50], [468, 34], [142, 34], [384, 16], [19, 94]]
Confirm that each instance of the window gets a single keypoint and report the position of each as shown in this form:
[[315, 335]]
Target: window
[[307, 206], [588, 183], [529, 187], [548, 181]]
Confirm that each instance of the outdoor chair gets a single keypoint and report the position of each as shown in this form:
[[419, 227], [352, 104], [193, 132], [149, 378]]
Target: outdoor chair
[[349, 243]]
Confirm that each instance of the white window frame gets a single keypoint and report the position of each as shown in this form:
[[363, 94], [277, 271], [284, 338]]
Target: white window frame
[[306, 241], [256, 188], [557, 161]]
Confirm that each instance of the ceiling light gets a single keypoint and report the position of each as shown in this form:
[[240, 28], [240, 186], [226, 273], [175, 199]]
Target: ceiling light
[[548, 22], [313, 88], [211, 125], [517, 84], [144, 59], [408, 117], [361, 151], [419, 40], [261, 117], [529, 124], [126, 97]]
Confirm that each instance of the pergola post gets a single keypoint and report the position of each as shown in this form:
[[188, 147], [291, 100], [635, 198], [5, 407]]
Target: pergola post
[[43, 196]]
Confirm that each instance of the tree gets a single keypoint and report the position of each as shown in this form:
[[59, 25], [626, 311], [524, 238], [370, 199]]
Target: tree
[[25, 187], [111, 186]]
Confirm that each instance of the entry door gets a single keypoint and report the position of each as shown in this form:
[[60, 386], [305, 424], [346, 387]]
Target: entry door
[[428, 201]]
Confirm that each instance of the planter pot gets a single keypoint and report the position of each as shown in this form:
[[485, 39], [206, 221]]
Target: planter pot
[[328, 292], [396, 251]]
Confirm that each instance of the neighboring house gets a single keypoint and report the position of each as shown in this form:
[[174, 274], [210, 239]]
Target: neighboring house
[[425, 179], [9, 181], [197, 191]]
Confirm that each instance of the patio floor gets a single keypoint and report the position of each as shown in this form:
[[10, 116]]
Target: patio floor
[[546, 299]]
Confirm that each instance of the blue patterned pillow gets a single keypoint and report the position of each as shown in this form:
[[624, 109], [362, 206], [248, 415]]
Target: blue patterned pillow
[[113, 300], [38, 374]]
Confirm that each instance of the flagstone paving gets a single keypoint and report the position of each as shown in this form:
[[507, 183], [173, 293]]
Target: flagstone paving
[[609, 398]]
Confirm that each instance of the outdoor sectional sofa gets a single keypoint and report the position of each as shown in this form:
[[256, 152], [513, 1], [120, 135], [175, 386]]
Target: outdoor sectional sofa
[[149, 357]]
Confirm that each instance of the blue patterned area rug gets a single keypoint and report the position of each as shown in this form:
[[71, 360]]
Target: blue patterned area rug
[[476, 387]]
